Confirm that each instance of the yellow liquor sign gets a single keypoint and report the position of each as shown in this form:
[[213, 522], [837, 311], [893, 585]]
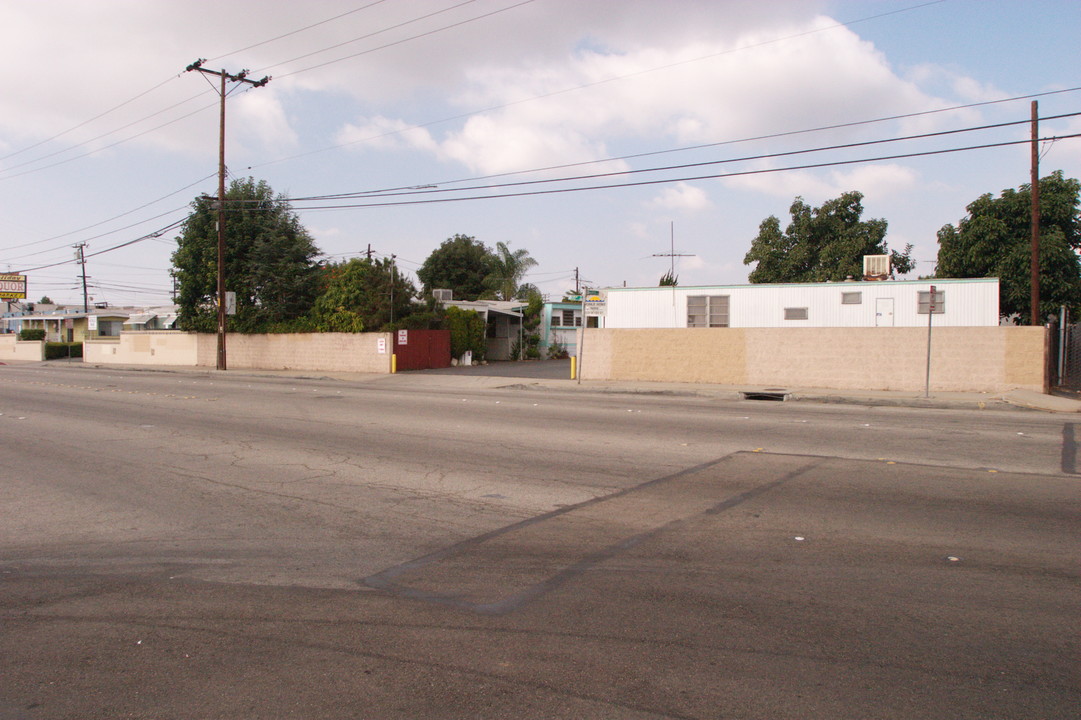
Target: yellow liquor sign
[[12, 287]]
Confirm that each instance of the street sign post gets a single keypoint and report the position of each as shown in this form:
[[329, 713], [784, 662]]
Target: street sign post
[[930, 314]]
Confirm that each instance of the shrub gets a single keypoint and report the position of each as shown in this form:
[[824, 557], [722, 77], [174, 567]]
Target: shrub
[[556, 351], [55, 351], [467, 332], [32, 334]]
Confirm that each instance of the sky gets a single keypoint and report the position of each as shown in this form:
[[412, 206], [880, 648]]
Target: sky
[[600, 136]]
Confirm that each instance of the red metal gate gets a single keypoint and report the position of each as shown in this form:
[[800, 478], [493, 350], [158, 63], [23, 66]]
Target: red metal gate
[[422, 349]]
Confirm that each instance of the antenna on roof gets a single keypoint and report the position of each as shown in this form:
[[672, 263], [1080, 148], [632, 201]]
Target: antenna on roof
[[672, 253]]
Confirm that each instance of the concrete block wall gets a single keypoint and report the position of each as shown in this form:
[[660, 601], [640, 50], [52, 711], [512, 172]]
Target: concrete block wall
[[978, 359], [331, 352], [12, 348], [341, 352], [144, 348]]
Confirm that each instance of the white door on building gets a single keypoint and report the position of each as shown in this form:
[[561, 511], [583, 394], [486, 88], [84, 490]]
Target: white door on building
[[883, 312]]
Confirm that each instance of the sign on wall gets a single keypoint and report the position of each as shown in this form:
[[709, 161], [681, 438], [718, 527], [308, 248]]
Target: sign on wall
[[12, 287], [403, 337], [593, 305]]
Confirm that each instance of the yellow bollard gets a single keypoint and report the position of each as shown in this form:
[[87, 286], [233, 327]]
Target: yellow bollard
[[393, 363], [574, 368]]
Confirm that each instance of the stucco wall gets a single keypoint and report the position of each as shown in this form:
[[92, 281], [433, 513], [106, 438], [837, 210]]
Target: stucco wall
[[12, 348], [144, 348], [341, 352], [980, 359]]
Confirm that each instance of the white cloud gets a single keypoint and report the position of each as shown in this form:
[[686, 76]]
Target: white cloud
[[262, 118], [385, 134], [691, 93], [681, 196], [878, 181]]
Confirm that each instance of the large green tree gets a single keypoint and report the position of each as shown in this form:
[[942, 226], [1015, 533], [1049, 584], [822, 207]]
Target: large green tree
[[995, 240], [362, 295], [269, 261], [821, 244], [460, 264], [508, 269]]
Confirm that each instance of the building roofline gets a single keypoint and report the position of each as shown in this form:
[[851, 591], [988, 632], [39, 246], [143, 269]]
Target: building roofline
[[835, 284]]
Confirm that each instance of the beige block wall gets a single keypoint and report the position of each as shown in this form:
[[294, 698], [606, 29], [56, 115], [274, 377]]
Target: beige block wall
[[334, 352], [12, 348], [979, 359], [144, 348], [340, 352], [715, 355]]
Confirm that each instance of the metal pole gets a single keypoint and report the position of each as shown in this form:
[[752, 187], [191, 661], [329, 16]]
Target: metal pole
[[221, 230], [1062, 335], [1035, 215], [930, 314], [581, 339]]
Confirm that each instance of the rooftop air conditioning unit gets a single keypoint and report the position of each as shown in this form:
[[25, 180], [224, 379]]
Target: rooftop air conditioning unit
[[443, 295], [876, 267]]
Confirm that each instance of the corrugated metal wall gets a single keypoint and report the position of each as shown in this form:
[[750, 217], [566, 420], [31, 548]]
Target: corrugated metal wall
[[968, 303]]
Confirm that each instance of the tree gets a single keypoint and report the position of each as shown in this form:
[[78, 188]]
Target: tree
[[467, 332], [460, 264], [669, 280], [508, 269], [45, 300], [269, 261], [821, 244], [995, 240], [362, 295]]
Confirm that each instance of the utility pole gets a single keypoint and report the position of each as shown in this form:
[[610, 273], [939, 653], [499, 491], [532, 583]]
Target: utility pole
[[241, 77], [393, 277], [80, 258], [369, 252], [1035, 215]]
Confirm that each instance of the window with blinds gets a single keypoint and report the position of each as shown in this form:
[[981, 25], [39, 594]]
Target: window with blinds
[[707, 311]]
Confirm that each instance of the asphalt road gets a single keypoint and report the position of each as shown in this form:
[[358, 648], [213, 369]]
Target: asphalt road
[[188, 546]]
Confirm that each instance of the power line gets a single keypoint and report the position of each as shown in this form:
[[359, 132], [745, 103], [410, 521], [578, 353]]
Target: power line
[[408, 39], [111, 145], [712, 176], [116, 217], [97, 237], [683, 166], [770, 136], [370, 35], [148, 236], [155, 87], [299, 30], [585, 85]]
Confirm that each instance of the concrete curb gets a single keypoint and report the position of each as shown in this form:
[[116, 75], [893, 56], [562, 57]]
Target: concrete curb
[[1013, 400]]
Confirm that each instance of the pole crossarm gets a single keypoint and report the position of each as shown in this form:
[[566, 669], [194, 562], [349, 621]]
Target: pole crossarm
[[241, 76]]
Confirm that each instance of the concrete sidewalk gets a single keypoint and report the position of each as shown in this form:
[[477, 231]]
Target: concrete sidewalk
[[1015, 399]]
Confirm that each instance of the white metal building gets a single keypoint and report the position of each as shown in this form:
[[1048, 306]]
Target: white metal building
[[900, 303]]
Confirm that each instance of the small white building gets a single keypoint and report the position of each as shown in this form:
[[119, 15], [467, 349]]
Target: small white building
[[890, 303]]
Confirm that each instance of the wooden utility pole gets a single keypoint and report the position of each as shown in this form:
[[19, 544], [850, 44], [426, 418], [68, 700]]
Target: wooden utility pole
[[80, 257], [1035, 215], [241, 77]]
